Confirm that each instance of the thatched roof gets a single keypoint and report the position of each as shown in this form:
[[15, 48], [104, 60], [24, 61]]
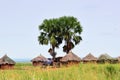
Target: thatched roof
[[118, 58], [70, 57], [105, 57], [39, 58], [89, 57], [6, 60]]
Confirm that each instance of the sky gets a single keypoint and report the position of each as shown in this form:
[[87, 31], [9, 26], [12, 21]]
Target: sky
[[19, 21]]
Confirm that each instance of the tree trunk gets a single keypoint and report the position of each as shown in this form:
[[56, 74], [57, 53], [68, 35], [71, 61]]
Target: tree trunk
[[68, 40], [67, 47], [53, 48]]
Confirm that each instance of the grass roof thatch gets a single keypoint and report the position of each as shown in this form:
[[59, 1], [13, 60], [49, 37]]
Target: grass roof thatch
[[118, 58], [6, 60], [89, 57], [39, 58], [70, 57], [105, 57]]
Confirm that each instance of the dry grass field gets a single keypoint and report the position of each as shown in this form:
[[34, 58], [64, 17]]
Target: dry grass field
[[25, 71]]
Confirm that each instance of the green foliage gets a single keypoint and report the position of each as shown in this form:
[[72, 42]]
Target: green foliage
[[53, 41], [70, 30], [111, 71], [55, 30], [77, 39], [49, 32]]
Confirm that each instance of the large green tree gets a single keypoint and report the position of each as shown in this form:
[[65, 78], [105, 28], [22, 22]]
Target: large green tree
[[55, 31], [70, 31], [49, 33]]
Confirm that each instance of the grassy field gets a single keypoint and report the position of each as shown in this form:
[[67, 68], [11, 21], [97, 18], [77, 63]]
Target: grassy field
[[25, 71]]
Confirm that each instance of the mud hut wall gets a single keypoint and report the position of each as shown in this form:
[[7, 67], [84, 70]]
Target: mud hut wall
[[7, 66], [35, 63], [68, 63], [92, 61]]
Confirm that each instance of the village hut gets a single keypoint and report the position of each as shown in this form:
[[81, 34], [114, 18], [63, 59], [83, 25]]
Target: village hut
[[6, 62], [105, 58], [115, 60], [89, 58], [39, 60], [70, 58], [118, 59]]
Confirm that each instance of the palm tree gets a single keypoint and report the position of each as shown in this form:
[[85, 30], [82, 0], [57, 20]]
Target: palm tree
[[55, 31], [49, 33], [70, 30]]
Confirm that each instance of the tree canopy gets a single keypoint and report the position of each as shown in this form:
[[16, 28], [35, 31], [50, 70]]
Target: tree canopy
[[49, 33], [71, 30], [57, 30]]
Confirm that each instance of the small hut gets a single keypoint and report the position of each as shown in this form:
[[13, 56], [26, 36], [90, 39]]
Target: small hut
[[70, 58], [6, 62], [89, 58], [39, 60], [118, 59], [115, 60], [104, 58]]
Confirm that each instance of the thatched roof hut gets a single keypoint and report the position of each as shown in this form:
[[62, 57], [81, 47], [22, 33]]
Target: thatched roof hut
[[6, 62], [89, 58], [105, 58], [118, 59], [70, 57], [39, 60]]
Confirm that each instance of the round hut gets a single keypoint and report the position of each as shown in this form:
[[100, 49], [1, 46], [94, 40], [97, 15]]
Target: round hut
[[6, 62], [104, 58], [70, 58], [89, 59], [118, 59], [39, 60]]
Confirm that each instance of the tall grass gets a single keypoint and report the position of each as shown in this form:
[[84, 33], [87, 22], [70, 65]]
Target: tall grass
[[80, 72]]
